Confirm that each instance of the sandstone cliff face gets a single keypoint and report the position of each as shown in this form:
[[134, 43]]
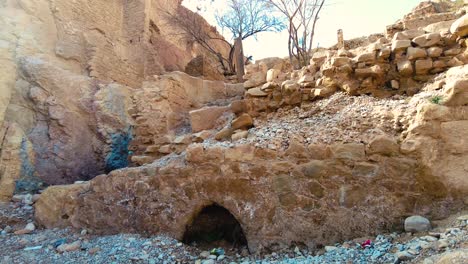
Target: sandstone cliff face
[[69, 69]]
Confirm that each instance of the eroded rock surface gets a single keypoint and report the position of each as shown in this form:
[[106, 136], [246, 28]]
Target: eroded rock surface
[[348, 146], [69, 70]]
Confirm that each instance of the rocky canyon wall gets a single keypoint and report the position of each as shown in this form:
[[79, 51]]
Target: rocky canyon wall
[[69, 69]]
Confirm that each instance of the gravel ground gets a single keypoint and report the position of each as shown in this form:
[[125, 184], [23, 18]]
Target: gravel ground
[[79, 246], [338, 119]]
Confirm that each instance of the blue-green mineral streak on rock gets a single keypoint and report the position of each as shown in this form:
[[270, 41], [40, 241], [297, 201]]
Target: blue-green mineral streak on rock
[[118, 156], [27, 182]]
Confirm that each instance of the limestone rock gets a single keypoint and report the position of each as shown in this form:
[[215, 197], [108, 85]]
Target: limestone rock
[[239, 135], [57, 205], [206, 118], [456, 93], [307, 81], [272, 75], [365, 169], [460, 26], [349, 151], [366, 57], [427, 40], [320, 56], [434, 52], [375, 71], [256, 92], [340, 61], [398, 45], [383, 145], [255, 80], [143, 159], [417, 224], [224, 133], [405, 68], [269, 87], [442, 26], [408, 34], [384, 53], [238, 106], [416, 53], [243, 121], [423, 66], [452, 52], [323, 92]]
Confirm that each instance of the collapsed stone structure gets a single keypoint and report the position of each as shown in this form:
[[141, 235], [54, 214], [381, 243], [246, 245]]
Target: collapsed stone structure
[[188, 137]]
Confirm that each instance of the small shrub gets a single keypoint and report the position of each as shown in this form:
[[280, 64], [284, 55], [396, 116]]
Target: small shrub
[[437, 99]]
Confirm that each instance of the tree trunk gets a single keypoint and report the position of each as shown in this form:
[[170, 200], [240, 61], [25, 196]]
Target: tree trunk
[[239, 58]]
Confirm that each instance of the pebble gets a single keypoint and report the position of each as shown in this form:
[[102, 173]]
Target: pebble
[[22, 232], [8, 229], [31, 227], [94, 250], [429, 238], [28, 199], [32, 248], [404, 255], [205, 254], [330, 248], [69, 247], [443, 243]]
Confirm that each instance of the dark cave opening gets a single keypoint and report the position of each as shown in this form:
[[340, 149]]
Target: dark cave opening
[[215, 227]]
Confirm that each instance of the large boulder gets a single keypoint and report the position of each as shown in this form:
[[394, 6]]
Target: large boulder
[[417, 224], [460, 26], [457, 93], [57, 204], [206, 118], [456, 89]]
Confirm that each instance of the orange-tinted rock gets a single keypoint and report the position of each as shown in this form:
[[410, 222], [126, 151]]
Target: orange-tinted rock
[[57, 205], [243, 121]]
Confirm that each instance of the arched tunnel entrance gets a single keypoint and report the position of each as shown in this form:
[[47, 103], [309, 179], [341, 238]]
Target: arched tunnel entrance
[[215, 227]]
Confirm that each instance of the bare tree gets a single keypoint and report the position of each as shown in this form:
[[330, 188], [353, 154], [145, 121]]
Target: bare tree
[[246, 18], [302, 16], [194, 28], [242, 18]]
